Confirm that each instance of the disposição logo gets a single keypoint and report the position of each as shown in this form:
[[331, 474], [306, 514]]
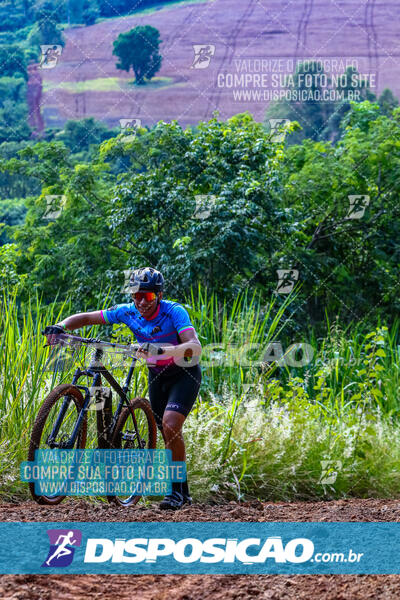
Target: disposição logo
[[62, 546], [190, 550]]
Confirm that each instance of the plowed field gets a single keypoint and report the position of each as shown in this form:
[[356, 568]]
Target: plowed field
[[262, 37]]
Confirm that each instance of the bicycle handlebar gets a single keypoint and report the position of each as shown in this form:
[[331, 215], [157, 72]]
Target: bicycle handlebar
[[129, 349]]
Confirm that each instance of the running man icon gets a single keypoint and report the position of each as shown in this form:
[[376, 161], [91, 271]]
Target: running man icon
[[61, 551], [287, 279], [202, 55]]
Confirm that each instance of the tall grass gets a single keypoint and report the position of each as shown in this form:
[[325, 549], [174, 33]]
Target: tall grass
[[28, 371], [271, 440], [279, 452], [22, 375], [235, 335]]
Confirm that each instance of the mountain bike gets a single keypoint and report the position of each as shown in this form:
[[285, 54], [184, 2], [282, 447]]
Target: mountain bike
[[62, 421]]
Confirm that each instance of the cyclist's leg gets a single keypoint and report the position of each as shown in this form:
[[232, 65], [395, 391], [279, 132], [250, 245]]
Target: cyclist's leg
[[172, 432], [158, 397], [182, 394]]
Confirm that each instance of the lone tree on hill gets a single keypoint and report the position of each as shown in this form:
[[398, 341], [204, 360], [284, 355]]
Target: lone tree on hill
[[138, 48]]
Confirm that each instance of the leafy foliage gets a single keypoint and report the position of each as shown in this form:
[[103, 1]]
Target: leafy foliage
[[138, 49], [350, 266], [12, 62], [15, 186], [79, 136], [46, 29], [12, 213], [318, 112], [225, 206]]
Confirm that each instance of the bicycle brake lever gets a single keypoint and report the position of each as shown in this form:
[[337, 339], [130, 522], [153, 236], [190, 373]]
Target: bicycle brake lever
[[50, 345], [153, 349]]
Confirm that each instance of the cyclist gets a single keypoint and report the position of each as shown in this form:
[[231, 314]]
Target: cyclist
[[174, 379]]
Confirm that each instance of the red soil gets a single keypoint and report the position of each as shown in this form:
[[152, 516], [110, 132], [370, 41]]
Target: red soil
[[201, 587]]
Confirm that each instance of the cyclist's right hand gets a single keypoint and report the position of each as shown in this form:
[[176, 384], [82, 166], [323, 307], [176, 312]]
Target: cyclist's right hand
[[52, 332]]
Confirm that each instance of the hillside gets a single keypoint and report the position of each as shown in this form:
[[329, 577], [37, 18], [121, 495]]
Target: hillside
[[260, 36]]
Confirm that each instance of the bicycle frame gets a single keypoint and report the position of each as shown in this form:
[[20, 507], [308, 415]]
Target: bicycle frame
[[95, 370]]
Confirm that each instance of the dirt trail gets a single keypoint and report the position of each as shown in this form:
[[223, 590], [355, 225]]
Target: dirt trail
[[201, 587], [352, 509]]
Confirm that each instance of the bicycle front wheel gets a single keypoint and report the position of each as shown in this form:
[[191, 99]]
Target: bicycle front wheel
[[53, 427], [129, 437]]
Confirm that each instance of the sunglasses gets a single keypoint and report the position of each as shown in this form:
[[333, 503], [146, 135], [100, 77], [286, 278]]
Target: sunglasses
[[148, 296]]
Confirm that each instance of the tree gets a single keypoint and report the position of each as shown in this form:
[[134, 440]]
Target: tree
[[12, 62], [79, 135], [75, 247], [9, 254], [12, 212], [74, 11], [269, 208], [349, 263], [90, 12], [46, 30], [388, 102], [13, 122], [168, 201], [319, 117], [14, 14], [138, 49], [106, 226], [16, 186]]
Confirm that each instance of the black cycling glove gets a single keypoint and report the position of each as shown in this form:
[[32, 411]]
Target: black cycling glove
[[53, 329], [152, 349]]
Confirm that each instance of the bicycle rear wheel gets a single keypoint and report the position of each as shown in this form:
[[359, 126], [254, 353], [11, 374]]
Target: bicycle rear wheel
[[125, 437], [64, 397]]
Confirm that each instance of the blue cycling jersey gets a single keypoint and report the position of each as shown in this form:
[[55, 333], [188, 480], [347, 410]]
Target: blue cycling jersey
[[164, 326]]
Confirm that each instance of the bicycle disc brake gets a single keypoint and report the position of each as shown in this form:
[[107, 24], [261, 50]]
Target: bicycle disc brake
[[131, 437]]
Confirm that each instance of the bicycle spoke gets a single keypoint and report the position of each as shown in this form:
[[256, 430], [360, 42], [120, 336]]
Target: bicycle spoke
[[54, 428], [127, 436]]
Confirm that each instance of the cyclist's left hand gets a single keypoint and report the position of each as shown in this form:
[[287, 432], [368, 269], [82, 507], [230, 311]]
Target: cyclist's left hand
[[52, 332], [143, 352], [148, 349]]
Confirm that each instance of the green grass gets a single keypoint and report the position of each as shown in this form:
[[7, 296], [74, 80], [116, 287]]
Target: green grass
[[108, 84], [268, 441], [102, 84], [155, 84], [289, 452]]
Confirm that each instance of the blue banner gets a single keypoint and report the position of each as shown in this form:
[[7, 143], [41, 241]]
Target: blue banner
[[102, 472], [212, 548]]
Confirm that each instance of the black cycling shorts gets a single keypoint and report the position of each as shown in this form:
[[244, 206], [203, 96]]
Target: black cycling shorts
[[176, 391]]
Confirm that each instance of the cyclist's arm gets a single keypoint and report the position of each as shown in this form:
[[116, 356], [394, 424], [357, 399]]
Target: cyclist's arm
[[82, 319], [189, 335], [189, 346]]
